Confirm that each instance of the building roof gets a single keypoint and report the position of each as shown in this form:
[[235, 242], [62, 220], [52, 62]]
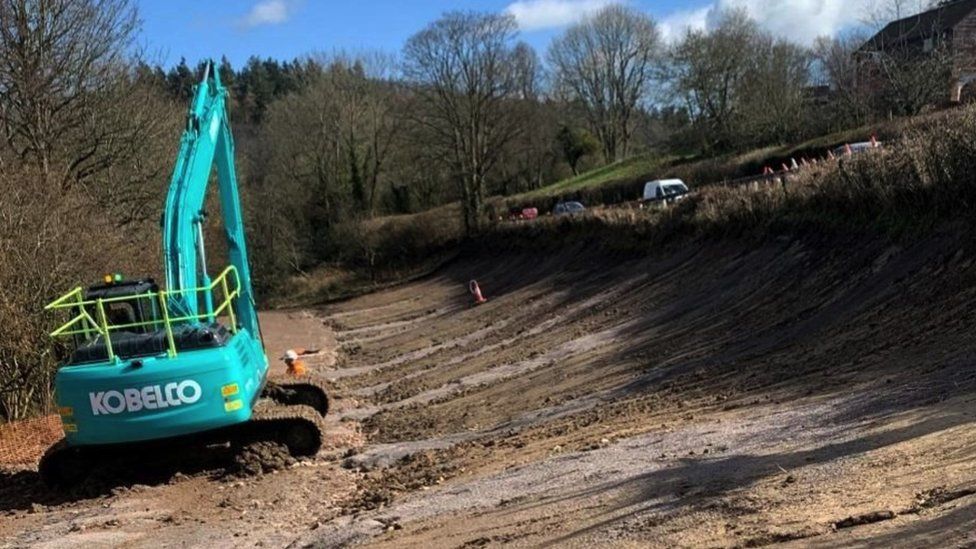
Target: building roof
[[922, 25]]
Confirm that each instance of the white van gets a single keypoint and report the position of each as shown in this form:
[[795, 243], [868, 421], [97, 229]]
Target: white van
[[666, 190]]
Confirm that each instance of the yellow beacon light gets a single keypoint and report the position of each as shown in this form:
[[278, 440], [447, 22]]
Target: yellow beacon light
[[109, 279]]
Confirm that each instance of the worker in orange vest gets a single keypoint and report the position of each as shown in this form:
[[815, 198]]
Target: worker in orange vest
[[296, 366]]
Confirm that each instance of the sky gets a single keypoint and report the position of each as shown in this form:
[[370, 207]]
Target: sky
[[285, 29]]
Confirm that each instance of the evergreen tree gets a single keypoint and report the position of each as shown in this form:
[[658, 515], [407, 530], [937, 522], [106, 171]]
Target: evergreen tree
[[180, 81]]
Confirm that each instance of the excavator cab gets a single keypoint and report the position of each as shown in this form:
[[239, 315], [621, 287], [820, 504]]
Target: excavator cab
[[134, 324], [136, 312]]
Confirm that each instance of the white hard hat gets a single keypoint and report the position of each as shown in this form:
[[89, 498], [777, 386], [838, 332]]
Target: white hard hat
[[290, 355]]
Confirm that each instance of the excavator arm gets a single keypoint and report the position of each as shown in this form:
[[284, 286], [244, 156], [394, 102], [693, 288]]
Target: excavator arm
[[206, 140]]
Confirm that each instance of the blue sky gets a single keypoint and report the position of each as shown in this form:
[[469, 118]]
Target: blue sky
[[285, 29]]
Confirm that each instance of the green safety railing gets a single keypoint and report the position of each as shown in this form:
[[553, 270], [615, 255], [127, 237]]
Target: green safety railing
[[83, 323]]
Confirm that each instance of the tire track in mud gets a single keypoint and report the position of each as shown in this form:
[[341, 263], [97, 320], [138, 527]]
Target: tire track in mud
[[586, 343], [620, 474], [557, 308], [540, 328], [505, 370], [588, 375]]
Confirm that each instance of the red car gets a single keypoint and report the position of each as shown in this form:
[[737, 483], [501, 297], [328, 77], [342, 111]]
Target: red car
[[519, 214]]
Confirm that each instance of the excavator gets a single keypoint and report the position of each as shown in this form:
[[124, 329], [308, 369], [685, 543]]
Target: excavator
[[185, 363]]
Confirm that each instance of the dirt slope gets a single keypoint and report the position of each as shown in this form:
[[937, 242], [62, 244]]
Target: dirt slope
[[815, 392]]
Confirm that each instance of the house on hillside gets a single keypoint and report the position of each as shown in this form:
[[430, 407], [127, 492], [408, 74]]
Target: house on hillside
[[948, 30]]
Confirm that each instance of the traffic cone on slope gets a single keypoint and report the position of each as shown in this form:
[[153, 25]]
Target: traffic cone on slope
[[476, 292]]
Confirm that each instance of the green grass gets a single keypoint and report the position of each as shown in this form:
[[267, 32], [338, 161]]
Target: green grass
[[654, 166], [629, 168]]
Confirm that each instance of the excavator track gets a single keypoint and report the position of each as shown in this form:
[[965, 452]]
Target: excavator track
[[298, 427], [63, 466], [300, 391]]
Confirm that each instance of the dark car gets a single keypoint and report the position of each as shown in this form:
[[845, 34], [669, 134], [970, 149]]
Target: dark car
[[564, 208]]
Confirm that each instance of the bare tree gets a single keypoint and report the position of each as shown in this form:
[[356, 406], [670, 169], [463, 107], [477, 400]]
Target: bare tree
[[774, 92], [84, 148], [912, 80], [529, 72], [606, 63], [367, 122], [741, 86], [324, 159], [464, 68], [59, 63], [908, 65], [839, 67], [879, 13], [708, 70]]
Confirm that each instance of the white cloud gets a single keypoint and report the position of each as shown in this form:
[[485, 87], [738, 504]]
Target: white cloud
[[801, 21], [545, 14], [267, 12], [674, 26]]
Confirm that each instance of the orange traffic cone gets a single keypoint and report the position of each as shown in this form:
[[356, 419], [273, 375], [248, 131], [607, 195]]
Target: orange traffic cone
[[830, 155], [874, 141], [847, 150], [476, 292]]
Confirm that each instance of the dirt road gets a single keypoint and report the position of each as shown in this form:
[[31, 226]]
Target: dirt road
[[816, 393]]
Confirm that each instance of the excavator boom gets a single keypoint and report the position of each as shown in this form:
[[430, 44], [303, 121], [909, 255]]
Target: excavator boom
[[206, 140]]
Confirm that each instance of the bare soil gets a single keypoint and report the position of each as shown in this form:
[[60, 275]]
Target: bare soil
[[815, 392]]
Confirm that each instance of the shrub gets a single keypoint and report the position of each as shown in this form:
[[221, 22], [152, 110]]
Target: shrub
[[50, 241]]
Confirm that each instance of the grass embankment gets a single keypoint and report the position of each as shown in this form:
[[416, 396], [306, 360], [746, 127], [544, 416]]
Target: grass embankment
[[637, 166], [623, 181], [920, 179]]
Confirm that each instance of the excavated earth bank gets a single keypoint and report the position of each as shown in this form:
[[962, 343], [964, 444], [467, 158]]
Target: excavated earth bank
[[814, 392]]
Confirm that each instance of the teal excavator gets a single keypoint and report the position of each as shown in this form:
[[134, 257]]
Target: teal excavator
[[185, 363]]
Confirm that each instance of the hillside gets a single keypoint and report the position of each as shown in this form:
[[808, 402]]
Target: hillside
[[623, 180], [727, 394], [913, 181], [753, 367]]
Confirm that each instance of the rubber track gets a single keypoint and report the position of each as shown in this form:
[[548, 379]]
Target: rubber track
[[268, 419], [49, 459], [266, 424], [273, 386]]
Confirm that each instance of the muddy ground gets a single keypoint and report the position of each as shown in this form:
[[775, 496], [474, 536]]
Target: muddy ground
[[796, 393]]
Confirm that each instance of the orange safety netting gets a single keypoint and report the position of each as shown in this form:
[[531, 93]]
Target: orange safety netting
[[24, 442]]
